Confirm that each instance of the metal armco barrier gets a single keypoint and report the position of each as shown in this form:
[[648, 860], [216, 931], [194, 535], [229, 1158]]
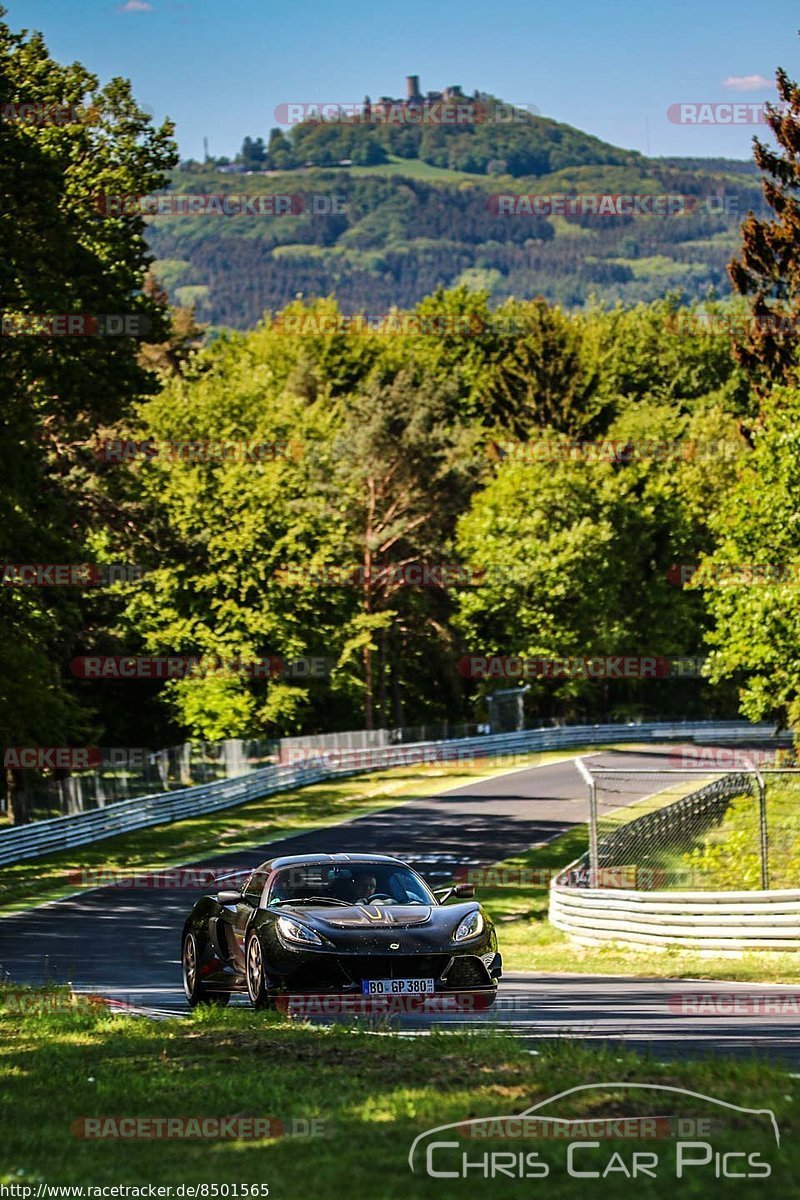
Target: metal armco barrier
[[714, 921], [78, 829], [730, 921]]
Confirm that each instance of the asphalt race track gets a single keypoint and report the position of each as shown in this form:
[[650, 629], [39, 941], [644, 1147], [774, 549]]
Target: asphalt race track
[[124, 942]]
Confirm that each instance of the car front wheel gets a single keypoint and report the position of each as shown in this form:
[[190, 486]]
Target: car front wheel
[[256, 979]]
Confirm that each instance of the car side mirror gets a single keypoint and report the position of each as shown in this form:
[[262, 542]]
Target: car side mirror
[[466, 890], [228, 898]]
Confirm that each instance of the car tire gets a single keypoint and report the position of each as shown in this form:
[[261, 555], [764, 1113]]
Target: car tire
[[194, 989], [254, 969]]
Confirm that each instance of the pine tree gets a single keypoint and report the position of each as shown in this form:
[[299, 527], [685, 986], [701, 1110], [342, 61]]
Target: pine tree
[[768, 270]]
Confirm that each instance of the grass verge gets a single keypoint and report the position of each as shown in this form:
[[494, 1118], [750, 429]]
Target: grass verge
[[370, 1095]]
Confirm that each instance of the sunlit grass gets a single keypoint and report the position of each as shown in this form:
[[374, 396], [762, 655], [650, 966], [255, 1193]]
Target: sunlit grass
[[373, 1095]]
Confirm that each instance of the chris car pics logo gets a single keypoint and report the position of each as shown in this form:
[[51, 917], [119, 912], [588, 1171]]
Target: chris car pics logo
[[716, 1140]]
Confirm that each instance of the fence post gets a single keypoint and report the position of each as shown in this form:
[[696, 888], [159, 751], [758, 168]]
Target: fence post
[[762, 822], [762, 817], [593, 856]]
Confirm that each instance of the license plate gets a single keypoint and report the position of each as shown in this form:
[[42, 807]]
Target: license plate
[[396, 987]]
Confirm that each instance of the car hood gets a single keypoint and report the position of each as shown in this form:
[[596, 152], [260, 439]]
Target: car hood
[[438, 918], [365, 916]]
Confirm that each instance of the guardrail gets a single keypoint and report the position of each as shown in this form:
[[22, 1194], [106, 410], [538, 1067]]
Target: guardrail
[[64, 833], [711, 921]]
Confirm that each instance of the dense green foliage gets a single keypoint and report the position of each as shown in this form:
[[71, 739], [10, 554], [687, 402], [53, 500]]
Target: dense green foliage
[[390, 235], [751, 581], [437, 438], [58, 257], [728, 856], [492, 138], [397, 462], [768, 269]]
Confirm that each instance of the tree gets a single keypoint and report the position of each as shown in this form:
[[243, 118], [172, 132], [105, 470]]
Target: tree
[[403, 474], [768, 268], [541, 376], [750, 582], [222, 528], [303, 554], [279, 151], [184, 339], [253, 154], [579, 556], [62, 256]]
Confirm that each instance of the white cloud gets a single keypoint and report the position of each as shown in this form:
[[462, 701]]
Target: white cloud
[[746, 83], [135, 6]]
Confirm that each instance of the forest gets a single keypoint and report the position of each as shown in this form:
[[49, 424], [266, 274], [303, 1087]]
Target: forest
[[456, 475]]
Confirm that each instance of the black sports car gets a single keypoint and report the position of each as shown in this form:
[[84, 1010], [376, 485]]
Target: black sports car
[[352, 924]]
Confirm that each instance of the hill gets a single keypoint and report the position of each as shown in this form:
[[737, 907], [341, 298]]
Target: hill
[[479, 134], [384, 214]]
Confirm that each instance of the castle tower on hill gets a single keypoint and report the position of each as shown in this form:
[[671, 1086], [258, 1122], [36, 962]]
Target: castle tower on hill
[[412, 88]]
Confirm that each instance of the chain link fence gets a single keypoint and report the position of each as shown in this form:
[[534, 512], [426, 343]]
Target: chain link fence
[[127, 773], [698, 829]]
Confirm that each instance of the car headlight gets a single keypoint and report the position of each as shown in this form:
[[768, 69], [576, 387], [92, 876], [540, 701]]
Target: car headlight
[[293, 931], [470, 927]]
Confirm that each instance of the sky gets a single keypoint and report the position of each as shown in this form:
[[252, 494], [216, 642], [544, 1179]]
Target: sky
[[614, 69]]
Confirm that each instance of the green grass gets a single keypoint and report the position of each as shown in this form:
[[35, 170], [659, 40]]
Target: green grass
[[728, 856], [411, 168], [414, 168], [244, 826], [656, 265], [372, 1094], [563, 228]]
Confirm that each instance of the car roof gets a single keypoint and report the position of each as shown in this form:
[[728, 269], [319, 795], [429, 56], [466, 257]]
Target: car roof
[[293, 860]]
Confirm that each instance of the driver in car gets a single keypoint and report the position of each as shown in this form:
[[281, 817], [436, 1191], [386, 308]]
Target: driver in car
[[364, 886]]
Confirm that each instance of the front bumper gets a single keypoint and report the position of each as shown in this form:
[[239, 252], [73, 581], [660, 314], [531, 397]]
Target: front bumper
[[339, 973]]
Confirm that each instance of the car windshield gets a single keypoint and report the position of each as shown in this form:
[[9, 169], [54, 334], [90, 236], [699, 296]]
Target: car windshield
[[356, 883]]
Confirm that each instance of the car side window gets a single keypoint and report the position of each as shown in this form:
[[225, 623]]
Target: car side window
[[255, 886], [278, 890]]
